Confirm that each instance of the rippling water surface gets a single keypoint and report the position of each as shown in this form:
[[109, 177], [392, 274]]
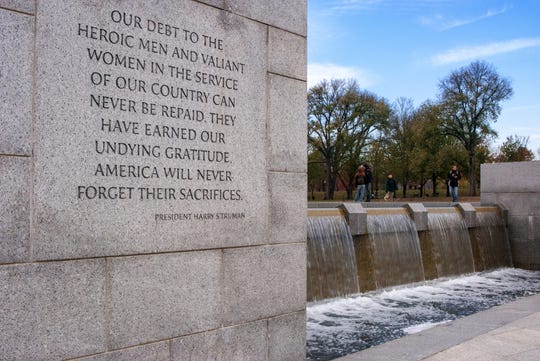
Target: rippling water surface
[[342, 326]]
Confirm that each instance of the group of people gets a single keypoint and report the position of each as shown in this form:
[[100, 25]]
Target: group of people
[[364, 179]]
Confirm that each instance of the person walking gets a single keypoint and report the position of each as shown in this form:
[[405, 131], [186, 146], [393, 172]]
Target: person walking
[[391, 188], [453, 182], [360, 184], [369, 181]]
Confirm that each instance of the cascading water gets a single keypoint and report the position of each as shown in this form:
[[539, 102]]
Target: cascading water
[[451, 244], [331, 260], [392, 254], [396, 250], [492, 240]]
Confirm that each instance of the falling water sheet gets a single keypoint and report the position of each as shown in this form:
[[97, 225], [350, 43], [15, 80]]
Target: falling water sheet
[[343, 326]]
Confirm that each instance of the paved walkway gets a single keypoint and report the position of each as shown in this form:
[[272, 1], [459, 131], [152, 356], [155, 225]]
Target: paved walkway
[[506, 332]]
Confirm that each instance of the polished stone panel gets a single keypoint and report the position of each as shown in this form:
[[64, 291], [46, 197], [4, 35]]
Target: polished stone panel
[[162, 111], [287, 54], [16, 45], [52, 311], [14, 209], [284, 14], [152, 352], [514, 186], [263, 281], [287, 337], [163, 296], [288, 214], [246, 342], [287, 124], [27, 6]]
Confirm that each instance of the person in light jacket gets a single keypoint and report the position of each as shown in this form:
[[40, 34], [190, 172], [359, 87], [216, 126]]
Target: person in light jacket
[[360, 184]]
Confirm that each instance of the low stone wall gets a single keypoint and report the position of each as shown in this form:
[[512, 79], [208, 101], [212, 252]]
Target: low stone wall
[[152, 180], [515, 186]]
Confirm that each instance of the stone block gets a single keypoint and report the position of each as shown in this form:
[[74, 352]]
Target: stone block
[[287, 337], [152, 352], [14, 209], [287, 130], [52, 311], [287, 54], [522, 204], [16, 44], [356, 216], [525, 253], [488, 198], [263, 282], [287, 15], [520, 227], [163, 296], [27, 6], [246, 342], [468, 212], [419, 215], [497, 177], [177, 163], [288, 213]]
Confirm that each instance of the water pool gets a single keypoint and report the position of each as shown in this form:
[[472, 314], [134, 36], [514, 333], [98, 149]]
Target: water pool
[[340, 327]]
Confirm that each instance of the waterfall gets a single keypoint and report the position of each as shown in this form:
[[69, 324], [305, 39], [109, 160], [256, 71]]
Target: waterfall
[[396, 250], [451, 244], [492, 239], [392, 252], [331, 263]]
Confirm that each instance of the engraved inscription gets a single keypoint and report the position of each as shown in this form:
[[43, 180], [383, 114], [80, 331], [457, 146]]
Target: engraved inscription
[[165, 101]]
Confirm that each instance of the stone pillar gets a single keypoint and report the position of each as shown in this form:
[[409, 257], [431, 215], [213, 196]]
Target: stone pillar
[[418, 213], [468, 212], [152, 179], [515, 187], [356, 217]]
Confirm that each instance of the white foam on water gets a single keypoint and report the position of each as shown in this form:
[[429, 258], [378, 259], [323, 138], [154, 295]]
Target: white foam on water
[[422, 327], [342, 326]]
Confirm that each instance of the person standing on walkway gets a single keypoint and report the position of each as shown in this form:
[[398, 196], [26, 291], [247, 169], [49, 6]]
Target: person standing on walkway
[[453, 182], [369, 181], [360, 184], [391, 188]]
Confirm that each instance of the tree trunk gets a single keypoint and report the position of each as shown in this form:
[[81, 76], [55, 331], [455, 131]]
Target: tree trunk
[[350, 185], [330, 183], [472, 175], [350, 190], [434, 182]]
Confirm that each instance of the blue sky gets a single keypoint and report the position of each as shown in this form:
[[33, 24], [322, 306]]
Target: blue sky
[[400, 48]]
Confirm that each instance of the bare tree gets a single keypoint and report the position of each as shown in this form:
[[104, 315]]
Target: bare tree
[[470, 99], [341, 118]]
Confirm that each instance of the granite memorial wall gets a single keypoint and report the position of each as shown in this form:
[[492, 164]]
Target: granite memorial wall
[[152, 180], [514, 186]]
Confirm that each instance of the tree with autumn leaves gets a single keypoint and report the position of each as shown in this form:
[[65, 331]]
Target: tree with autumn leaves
[[348, 126]]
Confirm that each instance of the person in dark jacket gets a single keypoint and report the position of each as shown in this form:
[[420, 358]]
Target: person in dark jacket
[[391, 188], [369, 181], [453, 182], [360, 184]]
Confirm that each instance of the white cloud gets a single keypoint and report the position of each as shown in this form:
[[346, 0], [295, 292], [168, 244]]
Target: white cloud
[[348, 5], [474, 52], [318, 72], [441, 23]]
